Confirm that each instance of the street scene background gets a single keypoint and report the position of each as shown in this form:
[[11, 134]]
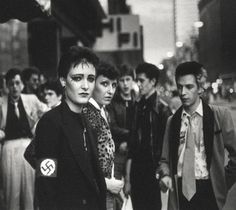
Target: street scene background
[[163, 32]]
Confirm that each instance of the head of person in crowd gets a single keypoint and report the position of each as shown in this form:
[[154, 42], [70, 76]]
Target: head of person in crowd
[[189, 81], [14, 83], [106, 83], [77, 74], [30, 76], [125, 81], [147, 76], [3, 86], [52, 93], [42, 78]]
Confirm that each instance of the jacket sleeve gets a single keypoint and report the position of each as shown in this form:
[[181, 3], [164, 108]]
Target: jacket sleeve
[[229, 137], [46, 140], [164, 165], [119, 134], [29, 154]]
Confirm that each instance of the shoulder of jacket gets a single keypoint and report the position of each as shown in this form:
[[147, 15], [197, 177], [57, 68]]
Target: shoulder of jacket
[[29, 97], [218, 108]]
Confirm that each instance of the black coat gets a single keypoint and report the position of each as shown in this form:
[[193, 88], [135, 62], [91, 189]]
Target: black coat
[[78, 183], [157, 119]]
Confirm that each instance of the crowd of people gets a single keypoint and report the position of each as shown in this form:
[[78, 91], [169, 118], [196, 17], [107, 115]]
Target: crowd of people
[[90, 139]]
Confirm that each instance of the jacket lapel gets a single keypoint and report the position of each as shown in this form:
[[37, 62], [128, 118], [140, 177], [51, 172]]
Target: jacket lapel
[[174, 144], [77, 145], [208, 132]]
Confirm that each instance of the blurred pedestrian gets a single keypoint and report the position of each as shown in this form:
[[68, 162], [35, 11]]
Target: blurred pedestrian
[[30, 76], [69, 176], [52, 93], [105, 87], [196, 137], [148, 128], [121, 114], [175, 101], [19, 113]]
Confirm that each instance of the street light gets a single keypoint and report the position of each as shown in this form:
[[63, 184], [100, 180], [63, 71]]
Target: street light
[[161, 66], [170, 54], [198, 24], [179, 44]]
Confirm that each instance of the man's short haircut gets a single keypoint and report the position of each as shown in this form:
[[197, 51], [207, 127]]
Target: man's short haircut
[[11, 73], [28, 71], [151, 71], [54, 85], [73, 57], [107, 70], [126, 70], [192, 67]]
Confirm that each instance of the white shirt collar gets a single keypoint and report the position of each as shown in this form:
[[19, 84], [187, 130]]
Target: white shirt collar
[[199, 110], [101, 109], [94, 103]]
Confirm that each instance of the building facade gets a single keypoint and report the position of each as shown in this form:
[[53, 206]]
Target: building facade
[[217, 42]]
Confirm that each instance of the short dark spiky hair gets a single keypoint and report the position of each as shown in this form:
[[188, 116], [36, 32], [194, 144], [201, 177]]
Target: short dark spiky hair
[[151, 71], [11, 73], [107, 70], [191, 67], [74, 56], [126, 70], [54, 85], [28, 71]]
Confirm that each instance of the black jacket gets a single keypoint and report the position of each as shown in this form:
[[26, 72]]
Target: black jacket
[[121, 115], [157, 118], [77, 183]]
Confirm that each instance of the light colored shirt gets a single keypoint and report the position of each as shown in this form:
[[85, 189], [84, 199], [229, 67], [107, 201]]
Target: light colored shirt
[[196, 119]]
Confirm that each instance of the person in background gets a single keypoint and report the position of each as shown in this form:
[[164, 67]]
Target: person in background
[[105, 87], [150, 116], [193, 155], [19, 114], [175, 101], [121, 114], [42, 78], [52, 93], [30, 76], [69, 176]]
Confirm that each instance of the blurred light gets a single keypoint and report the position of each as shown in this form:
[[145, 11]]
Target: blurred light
[[169, 54], [161, 66], [231, 90], [167, 93], [179, 44], [214, 87], [198, 24], [219, 81]]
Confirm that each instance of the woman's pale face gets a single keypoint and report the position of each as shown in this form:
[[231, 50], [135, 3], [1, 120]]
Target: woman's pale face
[[79, 85], [104, 90]]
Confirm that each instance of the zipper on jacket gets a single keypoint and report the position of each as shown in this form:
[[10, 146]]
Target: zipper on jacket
[[84, 139]]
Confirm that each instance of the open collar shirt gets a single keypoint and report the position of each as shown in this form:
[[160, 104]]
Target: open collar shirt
[[196, 119]]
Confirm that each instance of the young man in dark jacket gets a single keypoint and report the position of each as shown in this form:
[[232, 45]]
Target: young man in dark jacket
[[150, 116]]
